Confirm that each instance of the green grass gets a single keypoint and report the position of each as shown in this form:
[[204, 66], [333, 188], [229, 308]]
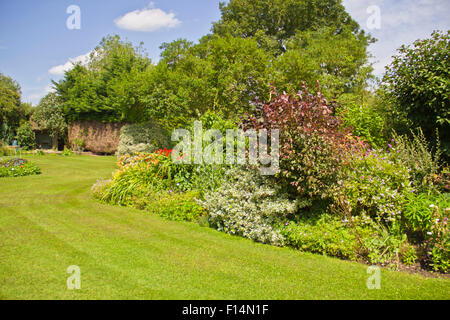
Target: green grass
[[49, 222]]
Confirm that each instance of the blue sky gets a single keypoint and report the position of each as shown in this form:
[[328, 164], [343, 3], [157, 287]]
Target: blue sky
[[36, 45]]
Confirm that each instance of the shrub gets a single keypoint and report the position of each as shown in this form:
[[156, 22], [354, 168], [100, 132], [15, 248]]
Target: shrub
[[145, 138], [353, 240], [408, 255], [313, 145], [376, 186], [214, 120], [419, 212], [415, 154], [49, 115], [425, 218], [325, 235], [438, 242], [177, 206], [67, 152], [39, 152], [417, 81], [145, 181], [26, 137], [5, 151], [442, 180], [17, 168], [99, 188], [363, 117], [6, 133], [381, 246], [248, 204], [78, 145], [137, 179], [202, 178]]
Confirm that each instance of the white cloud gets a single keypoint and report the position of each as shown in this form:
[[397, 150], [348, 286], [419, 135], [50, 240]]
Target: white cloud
[[35, 97], [60, 69], [147, 20]]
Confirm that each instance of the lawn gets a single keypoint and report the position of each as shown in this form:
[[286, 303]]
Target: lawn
[[49, 222]]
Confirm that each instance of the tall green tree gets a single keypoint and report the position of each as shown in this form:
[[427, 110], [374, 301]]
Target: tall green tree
[[224, 74], [417, 82], [274, 22], [338, 60], [12, 111], [109, 86]]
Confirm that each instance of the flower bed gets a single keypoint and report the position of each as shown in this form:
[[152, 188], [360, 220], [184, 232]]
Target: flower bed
[[18, 167]]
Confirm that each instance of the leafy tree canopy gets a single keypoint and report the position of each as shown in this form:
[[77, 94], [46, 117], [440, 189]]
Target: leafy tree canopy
[[273, 22], [108, 87], [12, 111], [224, 74], [338, 60], [49, 115], [418, 84]]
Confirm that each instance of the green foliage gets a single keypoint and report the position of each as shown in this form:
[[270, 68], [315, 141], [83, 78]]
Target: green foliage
[[382, 246], [67, 152], [313, 145], [145, 137], [12, 111], [416, 155], [408, 255], [325, 235], [39, 152], [417, 81], [6, 133], [329, 235], [26, 137], [79, 143], [227, 70], [49, 115], [177, 206], [5, 150], [18, 168], [201, 177], [214, 120], [274, 22], [419, 211], [437, 240], [360, 113], [440, 257], [110, 87], [223, 74], [249, 205], [376, 186], [147, 181], [339, 61]]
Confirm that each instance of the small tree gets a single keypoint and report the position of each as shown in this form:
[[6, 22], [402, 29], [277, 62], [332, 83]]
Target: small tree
[[313, 144], [49, 115], [418, 82], [26, 137]]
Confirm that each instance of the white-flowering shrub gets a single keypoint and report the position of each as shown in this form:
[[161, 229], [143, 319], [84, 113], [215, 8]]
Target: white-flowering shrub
[[248, 205], [144, 137]]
